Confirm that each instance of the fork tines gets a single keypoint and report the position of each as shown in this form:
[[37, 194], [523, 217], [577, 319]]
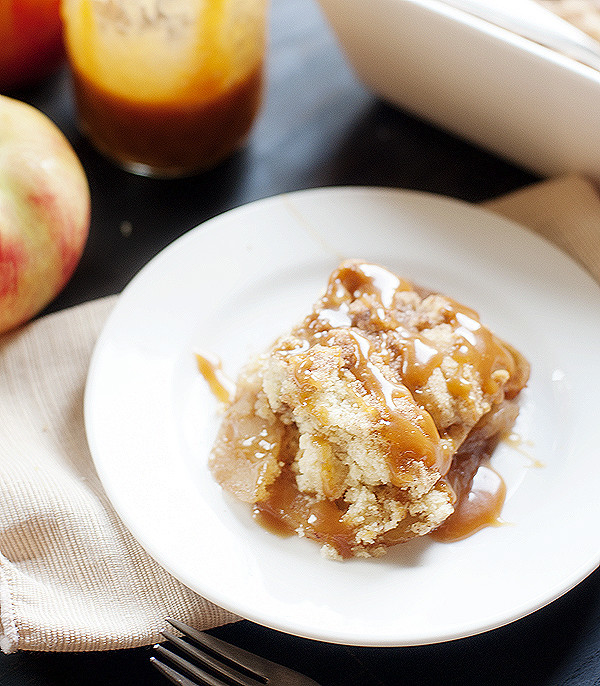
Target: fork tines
[[209, 661]]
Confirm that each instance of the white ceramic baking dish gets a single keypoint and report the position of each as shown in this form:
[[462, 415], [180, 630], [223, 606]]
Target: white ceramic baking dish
[[526, 103]]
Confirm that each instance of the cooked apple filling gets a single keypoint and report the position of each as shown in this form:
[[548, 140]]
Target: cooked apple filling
[[364, 426]]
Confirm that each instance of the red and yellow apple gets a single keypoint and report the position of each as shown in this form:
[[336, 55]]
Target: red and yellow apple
[[31, 41], [44, 211]]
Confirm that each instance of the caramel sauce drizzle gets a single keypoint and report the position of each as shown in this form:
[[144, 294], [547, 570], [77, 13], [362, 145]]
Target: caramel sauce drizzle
[[219, 383], [480, 492], [407, 425]]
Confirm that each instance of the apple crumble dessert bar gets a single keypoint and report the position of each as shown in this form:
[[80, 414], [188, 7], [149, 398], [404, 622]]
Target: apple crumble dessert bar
[[363, 426]]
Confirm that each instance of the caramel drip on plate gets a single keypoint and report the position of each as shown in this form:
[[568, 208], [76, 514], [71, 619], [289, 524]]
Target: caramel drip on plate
[[220, 385]]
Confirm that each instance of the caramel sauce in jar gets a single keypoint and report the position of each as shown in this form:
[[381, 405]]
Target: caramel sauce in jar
[[171, 138], [166, 89]]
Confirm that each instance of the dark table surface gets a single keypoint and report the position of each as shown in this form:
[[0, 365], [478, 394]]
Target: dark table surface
[[318, 127]]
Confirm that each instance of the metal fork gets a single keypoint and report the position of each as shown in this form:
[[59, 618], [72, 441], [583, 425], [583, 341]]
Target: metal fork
[[217, 663]]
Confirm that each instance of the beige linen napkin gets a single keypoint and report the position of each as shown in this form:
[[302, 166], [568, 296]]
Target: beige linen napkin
[[71, 576]]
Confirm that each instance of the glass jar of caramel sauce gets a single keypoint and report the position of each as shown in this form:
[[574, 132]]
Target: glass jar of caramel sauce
[[166, 88]]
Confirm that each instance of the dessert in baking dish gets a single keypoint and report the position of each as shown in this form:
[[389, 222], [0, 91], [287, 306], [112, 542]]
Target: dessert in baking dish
[[584, 14], [365, 425]]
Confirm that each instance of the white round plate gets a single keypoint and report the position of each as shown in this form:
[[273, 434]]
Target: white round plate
[[230, 287]]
